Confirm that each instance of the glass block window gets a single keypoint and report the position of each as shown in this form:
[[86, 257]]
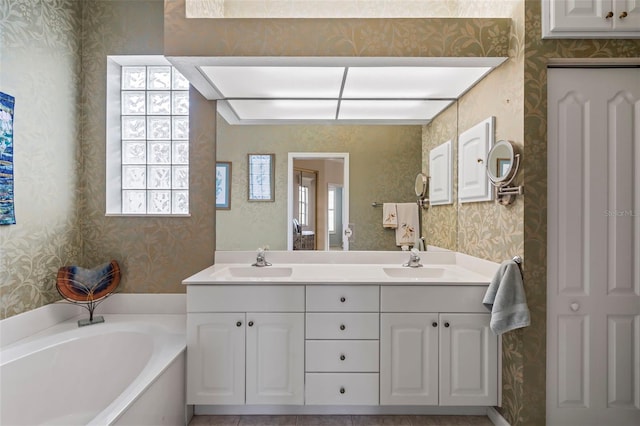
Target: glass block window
[[154, 129]]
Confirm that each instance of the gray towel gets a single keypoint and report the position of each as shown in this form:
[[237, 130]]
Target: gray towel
[[506, 300]]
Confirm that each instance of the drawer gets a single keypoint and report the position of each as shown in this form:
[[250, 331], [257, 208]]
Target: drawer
[[245, 298], [342, 389], [343, 298], [340, 326], [463, 298], [342, 356]]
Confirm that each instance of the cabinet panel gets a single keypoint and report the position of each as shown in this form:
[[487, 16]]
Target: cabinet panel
[[342, 388], [245, 298], [275, 358], [343, 298], [409, 359], [468, 360], [340, 325], [342, 356], [215, 358], [473, 146], [432, 298]]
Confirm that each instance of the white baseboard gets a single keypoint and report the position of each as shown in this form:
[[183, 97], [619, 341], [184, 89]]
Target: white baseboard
[[496, 418]]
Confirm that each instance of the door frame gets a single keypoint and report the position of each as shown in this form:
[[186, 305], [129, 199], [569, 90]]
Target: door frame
[[344, 156]]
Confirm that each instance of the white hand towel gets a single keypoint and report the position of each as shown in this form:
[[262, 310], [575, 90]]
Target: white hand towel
[[389, 215], [407, 230], [506, 300]]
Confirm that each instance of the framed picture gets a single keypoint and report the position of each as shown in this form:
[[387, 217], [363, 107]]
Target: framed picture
[[223, 185], [261, 177]]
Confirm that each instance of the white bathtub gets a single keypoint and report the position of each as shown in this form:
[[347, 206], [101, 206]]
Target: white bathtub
[[128, 370]]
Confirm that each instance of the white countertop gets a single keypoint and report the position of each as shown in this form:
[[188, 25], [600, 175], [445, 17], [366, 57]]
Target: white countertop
[[380, 268]]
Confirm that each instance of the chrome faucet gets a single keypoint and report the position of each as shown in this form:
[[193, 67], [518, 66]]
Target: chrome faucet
[[260, 259], [414, 259]]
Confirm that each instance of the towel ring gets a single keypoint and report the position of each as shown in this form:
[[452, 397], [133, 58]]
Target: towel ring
[[518, 261]]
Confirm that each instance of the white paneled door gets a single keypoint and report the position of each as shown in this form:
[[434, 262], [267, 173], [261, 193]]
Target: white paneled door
[[593, 316]]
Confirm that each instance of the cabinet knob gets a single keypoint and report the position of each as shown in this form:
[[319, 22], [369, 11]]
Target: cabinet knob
[[239, 323], [342, 390], [574, 306], [446, 324], [623, 15], [342, 327], [342, 357], [250, 323], [343, 299], [434, 324], [609, 15]]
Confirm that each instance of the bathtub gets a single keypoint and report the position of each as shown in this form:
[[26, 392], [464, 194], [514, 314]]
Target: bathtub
[[127, 370]]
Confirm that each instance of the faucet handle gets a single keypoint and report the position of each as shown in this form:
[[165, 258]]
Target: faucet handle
[[415, 251]]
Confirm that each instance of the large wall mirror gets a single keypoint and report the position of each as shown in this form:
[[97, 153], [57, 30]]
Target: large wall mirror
[[383, 163]]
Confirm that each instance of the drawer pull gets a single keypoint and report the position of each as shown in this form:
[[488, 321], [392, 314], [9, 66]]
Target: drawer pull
[[434, 324], [446, 324], [239, 323], [342, 357], [342, 327], [342, 390], [250, 323], [623, 15], [343, 299], [609, 15]]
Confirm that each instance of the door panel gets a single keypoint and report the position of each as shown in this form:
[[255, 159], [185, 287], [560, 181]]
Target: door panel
[[468, 360], [593, 278], [409, 359], [275, 358], [215, 358]]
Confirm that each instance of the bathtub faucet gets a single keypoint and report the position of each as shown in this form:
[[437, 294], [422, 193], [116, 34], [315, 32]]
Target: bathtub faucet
[[260, 259], [414, 259]]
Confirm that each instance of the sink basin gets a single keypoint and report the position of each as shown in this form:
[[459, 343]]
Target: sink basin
[[256, 272], [423, 272]]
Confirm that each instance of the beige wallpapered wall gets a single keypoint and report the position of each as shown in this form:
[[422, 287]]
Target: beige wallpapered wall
[[155, 254], [538, 52], [383, 162], [40, 56], [54, 63]]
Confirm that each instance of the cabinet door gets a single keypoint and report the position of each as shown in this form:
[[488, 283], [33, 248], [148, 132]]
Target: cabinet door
[[581, 16], [468, 360], [409, 359], [473, 146], [275, 358], [215, 356]]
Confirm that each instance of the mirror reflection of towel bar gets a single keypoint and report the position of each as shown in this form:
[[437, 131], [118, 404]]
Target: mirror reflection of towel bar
[[379, 204]]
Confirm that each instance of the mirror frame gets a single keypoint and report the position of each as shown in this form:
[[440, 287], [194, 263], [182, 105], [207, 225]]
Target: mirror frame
[[508, 176], [421, 180]]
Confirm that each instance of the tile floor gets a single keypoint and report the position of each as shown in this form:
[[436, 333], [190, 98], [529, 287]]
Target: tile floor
[[340, 421]]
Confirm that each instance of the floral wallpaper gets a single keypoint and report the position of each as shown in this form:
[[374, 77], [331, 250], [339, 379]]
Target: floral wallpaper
[[39, 47], [155, 253], [538, 52], [54, 62], [383, 163]]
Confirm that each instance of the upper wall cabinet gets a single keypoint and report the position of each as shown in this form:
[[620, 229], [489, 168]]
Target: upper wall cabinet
[[591, 19], [440, 167], [473, 146]]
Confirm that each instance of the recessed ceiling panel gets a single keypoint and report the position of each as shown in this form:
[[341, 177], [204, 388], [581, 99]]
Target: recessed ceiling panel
[[284, 109], [410, 82], [275, 82], [390, 109]]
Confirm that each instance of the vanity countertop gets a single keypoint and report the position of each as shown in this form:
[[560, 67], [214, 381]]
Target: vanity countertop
[[448, 268]]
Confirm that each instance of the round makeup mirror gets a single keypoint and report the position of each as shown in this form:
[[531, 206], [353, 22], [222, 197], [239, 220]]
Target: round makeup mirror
[[501, 163], [421, 186]]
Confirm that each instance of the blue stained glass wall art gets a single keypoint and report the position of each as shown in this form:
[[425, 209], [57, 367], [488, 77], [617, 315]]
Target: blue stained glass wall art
[[7, 212]]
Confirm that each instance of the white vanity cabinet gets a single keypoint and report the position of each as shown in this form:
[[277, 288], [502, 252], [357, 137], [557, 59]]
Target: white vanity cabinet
[[593, 19], [245, 345], [436, 347], [342, 346]]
